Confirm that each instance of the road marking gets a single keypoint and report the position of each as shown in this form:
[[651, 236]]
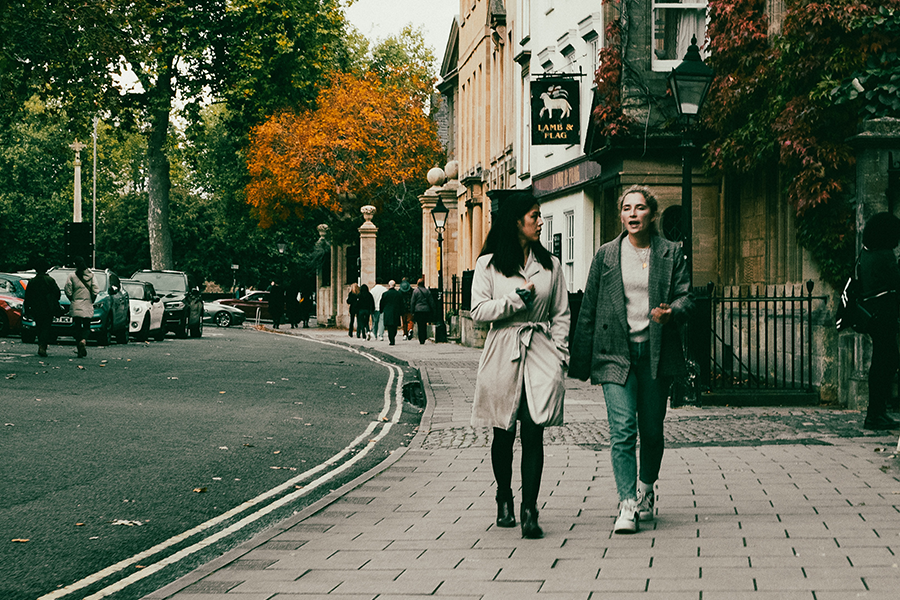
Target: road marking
[[235, 527]]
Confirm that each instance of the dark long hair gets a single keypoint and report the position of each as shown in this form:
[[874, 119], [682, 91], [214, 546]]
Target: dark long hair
[[503, 239], [80, 266]]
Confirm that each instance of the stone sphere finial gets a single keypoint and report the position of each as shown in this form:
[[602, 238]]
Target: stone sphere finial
[[452, 169], [436, 176], [323, 229]]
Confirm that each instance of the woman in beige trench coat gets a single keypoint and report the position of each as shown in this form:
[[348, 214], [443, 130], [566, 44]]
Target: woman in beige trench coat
[[518, 288]]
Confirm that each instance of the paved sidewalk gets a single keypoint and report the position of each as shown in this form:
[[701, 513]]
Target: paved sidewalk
[[753, 503]]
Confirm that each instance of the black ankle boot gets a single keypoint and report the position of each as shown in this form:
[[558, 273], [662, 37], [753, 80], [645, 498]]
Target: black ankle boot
[[506, 513], [530, 528]]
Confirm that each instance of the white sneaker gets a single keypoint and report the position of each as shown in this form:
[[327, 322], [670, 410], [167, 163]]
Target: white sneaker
[[627, 521], [646, 502], [369, 337]]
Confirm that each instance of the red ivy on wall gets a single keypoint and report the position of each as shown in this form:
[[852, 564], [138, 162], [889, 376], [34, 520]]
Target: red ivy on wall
[[608, 114]]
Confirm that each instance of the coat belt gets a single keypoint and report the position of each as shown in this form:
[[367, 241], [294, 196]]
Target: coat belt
[[524, 334]]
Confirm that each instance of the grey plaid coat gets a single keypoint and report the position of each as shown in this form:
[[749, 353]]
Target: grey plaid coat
[[600, 347]]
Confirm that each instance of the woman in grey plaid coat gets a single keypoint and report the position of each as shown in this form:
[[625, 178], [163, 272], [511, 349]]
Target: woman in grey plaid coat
[[633, 350]]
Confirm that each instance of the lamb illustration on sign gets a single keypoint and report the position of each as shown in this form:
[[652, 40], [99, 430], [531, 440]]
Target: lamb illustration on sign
[[555, 98]]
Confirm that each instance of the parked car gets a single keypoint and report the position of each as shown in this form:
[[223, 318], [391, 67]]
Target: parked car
[[181, 297], [111, 309], [254, 304], [11, 309], [147, 311], [222, 314], [13, 284]]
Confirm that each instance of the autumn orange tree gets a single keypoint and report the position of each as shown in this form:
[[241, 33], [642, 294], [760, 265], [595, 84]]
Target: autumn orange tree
[[365, 136]]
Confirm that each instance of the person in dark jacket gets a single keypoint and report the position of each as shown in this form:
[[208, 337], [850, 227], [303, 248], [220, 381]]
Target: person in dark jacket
[[406, 317], [353, 302], [366, 307], [292, 305], [422, 306], [879, 272], [276, 304], [391, 310], [42, 303]]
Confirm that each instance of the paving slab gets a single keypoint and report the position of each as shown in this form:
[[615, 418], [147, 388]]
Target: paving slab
[[756, 503]]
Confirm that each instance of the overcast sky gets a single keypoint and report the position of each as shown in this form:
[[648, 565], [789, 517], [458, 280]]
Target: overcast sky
[[377, 19]]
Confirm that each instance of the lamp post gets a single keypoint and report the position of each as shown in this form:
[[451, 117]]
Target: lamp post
[[689, 83], [439, 214]]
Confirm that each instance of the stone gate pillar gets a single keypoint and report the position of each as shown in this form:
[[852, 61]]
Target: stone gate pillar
[[368, 235]]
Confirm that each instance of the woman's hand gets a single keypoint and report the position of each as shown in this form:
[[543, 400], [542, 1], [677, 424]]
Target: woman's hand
[[661, 314]]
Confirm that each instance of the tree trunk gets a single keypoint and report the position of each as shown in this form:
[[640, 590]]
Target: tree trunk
[[159, 177]]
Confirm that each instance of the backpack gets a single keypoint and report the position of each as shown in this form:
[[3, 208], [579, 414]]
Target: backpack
[[856, 311]]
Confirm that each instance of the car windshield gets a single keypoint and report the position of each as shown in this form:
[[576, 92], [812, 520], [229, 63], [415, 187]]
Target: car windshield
[[164, 282], [60, 276], [135, 291], [8, 287]]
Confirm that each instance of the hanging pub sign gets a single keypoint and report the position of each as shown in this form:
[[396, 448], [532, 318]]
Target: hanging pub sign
[[555, 115]]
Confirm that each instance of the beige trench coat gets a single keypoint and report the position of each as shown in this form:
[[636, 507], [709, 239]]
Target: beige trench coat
[[525, 347], [77, 292]]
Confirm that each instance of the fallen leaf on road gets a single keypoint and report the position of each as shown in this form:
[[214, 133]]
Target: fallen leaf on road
[[270, 382], [11, 376], [10, 424], [171, 378], [223, 447], [21, 540], [81, 367], [199, 490], [79, 524], [126, 522], [221, 392], [249, 446], [363, 412]]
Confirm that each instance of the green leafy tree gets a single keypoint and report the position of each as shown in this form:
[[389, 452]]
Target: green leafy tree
[[133, 59]]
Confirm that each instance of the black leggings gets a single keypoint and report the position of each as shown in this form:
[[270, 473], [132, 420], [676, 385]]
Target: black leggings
[[532, 458], [885, 362]]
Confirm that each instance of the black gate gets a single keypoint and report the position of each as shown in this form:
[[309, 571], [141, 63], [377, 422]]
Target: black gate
[[754, 345]]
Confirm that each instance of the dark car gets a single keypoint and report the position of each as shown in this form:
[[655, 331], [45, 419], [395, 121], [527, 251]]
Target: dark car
[[181, 297], [222, 314], [254, 304], [111, 309]]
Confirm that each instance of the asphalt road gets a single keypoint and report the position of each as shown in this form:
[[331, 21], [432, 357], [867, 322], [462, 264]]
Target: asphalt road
[[143, 461]]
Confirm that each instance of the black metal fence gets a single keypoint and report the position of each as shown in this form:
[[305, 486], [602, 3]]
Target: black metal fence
[[759, 339]]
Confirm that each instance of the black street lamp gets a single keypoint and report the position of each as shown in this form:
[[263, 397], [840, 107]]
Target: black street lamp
[[439, 214], [689, 83]]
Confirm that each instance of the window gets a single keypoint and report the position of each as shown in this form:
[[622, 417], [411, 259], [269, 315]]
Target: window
[[548, 232], [675, 22], [570, 245], [593, 49]]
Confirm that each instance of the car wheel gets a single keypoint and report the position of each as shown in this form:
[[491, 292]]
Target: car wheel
[[28, 336], [197, 330], [104, 337], [4, 325], [223, 319], [122, 335], [144, 333]]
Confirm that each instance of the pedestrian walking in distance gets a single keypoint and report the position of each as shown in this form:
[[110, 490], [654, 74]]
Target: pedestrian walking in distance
[[518, 288], [879, 272], [631, 349], [42, 303], [81, 289], [422, 306], [392, 308], [406, 317], [353, 303], [365, 307]]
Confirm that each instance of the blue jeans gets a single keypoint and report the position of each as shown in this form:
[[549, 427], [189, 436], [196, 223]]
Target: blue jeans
[[637, 406]]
